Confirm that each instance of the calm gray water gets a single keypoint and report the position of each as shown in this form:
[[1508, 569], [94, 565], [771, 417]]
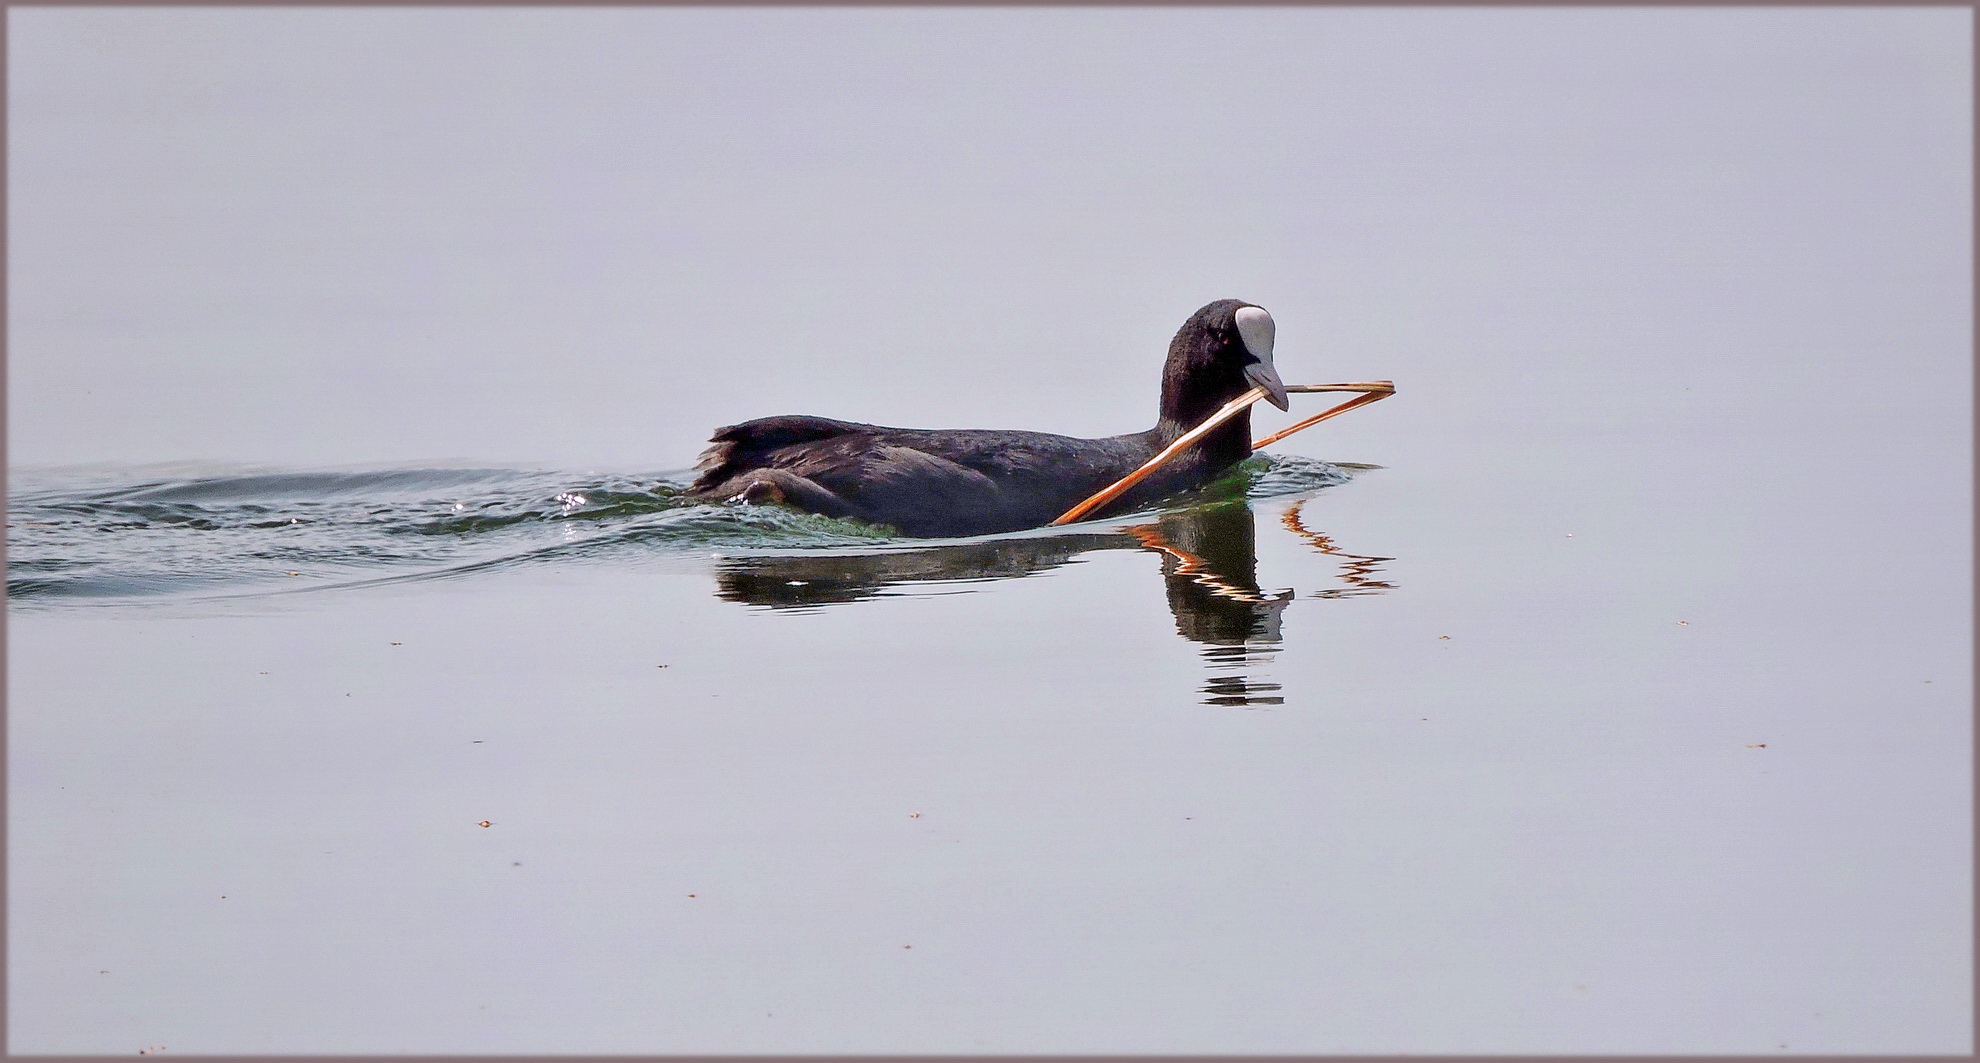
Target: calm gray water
[[1608, 690]]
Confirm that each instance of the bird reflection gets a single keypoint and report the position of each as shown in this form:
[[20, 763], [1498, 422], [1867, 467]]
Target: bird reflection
[[1210, 564], [789, 581], [1209, 569]]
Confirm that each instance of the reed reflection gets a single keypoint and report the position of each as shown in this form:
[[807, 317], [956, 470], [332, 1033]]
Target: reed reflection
[[1209, 571]]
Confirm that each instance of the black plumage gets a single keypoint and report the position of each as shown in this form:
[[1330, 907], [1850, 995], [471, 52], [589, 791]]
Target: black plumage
[[932, 483]]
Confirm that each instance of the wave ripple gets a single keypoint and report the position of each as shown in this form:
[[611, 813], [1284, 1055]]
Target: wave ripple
[[116, 535]]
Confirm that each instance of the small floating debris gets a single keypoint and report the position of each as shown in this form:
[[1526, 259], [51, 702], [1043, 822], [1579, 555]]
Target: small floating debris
[[914, 815], [484, 823]]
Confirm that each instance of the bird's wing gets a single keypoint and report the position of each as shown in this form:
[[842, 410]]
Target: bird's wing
[[751, 444], [878, 472]]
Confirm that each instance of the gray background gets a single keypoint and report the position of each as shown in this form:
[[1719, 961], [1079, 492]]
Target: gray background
[[1678, 301], [590, 236]]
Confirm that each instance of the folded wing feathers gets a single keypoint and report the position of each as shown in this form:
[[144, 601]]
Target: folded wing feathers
[[738, 447], [713, 458]]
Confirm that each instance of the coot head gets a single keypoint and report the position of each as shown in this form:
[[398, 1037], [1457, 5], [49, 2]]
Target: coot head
[[1221, 352]]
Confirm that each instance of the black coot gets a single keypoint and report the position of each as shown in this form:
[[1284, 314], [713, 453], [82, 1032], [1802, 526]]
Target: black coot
[[977, 481]]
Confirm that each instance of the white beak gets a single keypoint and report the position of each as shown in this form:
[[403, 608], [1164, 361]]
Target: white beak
[[1256, 329]]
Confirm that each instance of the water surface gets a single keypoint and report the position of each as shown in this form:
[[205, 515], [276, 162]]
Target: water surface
[[226, 535], [1235, 774]]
